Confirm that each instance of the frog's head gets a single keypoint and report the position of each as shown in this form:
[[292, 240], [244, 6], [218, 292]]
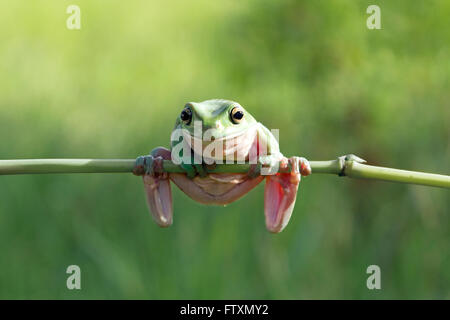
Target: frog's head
[[223, 117]]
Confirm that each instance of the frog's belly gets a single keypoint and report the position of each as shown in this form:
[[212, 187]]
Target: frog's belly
[[219, 184], [216, 188]]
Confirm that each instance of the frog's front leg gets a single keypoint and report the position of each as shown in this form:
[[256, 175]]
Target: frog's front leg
[[281, 191], [192, 168], [157, 185]]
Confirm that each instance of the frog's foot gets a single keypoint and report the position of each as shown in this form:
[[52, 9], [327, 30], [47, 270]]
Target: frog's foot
[[303, 165], [280, 193], [157, 185], [267, 165]]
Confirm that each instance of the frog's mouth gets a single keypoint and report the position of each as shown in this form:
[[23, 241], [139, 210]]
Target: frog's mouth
[[235, 147]]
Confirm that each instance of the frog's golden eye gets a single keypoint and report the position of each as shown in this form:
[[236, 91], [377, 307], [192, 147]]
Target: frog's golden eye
[[237, 114], [186, 115]]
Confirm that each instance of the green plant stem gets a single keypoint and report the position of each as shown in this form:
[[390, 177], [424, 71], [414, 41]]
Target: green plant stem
[[31, 166], [350, 166]]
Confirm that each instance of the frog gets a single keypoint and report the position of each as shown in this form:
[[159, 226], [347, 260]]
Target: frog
[[212, 132]]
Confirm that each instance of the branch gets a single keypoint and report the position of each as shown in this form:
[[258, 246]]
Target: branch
[[350, 166]]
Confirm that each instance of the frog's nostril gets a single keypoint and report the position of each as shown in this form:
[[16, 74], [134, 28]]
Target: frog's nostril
[[218, 125]]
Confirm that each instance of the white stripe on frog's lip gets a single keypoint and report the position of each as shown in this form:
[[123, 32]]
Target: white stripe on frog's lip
[[238, 144], [188, 136]]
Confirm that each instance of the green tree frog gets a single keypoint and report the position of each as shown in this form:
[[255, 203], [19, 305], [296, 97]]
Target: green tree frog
[[221, 131]]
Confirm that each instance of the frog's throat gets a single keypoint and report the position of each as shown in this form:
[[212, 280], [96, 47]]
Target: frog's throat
[[234, 147]]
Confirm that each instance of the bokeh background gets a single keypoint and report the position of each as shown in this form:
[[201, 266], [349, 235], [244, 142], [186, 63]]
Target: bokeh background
[[310, 68]]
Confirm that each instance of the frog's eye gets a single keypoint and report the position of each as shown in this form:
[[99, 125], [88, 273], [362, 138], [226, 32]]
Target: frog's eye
[[186, 115], [237, 114]]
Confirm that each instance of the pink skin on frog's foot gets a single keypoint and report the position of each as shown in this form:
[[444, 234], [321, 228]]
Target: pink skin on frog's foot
[[158, 191], [280, 193]]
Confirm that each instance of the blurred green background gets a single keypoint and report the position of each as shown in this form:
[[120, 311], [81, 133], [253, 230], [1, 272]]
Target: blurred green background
[[113, 90]]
